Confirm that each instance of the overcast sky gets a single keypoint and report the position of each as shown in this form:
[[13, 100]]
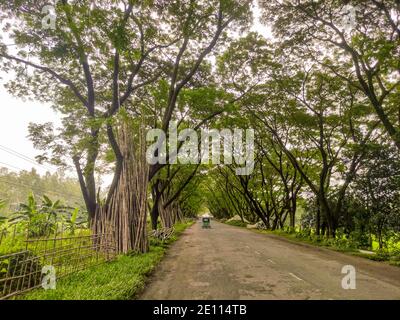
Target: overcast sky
[[15, 117], [16, 114]]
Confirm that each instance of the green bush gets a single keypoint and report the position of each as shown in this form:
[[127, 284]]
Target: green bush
[[303, 234], [11, 244], [361, 239]]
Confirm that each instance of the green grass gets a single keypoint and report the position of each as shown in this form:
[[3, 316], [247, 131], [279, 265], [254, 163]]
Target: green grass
[[335, 244], [121, 279]]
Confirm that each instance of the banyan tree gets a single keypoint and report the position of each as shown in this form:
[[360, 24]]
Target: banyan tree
[[125, 211]]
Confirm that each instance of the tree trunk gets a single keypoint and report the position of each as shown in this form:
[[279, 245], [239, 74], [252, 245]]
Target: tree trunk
[[126, 212], [167, 214], [292, 216], [318, 222], [154, 214]]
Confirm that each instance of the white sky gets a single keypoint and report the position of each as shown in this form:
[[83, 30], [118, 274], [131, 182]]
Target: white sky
[[16, 114]]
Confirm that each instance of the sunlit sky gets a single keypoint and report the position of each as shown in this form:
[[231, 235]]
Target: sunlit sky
[[16, 114]]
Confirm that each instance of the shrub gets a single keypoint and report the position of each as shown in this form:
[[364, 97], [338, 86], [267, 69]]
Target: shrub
[[361, 239], [11, 244], [304, 233]]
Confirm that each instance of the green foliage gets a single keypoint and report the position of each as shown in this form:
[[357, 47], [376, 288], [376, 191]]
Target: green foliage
[[40, 219], [338, 243], [37, 220], [3, 204], [72, 220], [374, 199], [160, 56], [11, 244]]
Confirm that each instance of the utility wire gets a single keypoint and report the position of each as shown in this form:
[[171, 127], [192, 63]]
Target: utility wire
[[18, 168], [24, 157], [34, 162], [39, 190], [10, 165]]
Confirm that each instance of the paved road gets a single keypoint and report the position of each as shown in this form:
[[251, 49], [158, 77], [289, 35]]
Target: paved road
[[228, 262]]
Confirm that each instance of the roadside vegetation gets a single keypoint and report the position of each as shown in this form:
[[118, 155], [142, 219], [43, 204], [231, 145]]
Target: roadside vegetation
[[121, 279], [343, 244], [39, 218], [42, 220]]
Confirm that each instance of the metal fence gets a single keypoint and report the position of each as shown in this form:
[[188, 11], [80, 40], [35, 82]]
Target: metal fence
[[23, 270]]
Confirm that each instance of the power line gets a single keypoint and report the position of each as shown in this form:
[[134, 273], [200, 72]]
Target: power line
[[10, 165], [24, 157], [18, 168], [32, 161], [40, 190]]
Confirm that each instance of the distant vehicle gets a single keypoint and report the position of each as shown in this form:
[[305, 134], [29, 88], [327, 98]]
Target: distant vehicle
[[206, 222]]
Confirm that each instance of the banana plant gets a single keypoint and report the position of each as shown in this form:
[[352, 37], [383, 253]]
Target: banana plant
[[27, 211], [71, 220], [41, 218], [52, 208]]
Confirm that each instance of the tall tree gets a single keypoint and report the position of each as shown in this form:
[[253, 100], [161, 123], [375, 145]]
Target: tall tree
[[357, 40]]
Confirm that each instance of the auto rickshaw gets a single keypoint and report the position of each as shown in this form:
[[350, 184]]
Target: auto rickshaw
[[206, 223]]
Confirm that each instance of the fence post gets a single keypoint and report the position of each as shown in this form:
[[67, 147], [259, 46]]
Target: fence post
[[14, 231], [2, 235], [27, 236]]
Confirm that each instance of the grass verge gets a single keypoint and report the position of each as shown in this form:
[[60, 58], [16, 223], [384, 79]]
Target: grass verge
[[337, 245], [236, 223], [120, 279]]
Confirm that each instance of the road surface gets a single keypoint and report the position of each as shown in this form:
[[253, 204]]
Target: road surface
[[227, 262]]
